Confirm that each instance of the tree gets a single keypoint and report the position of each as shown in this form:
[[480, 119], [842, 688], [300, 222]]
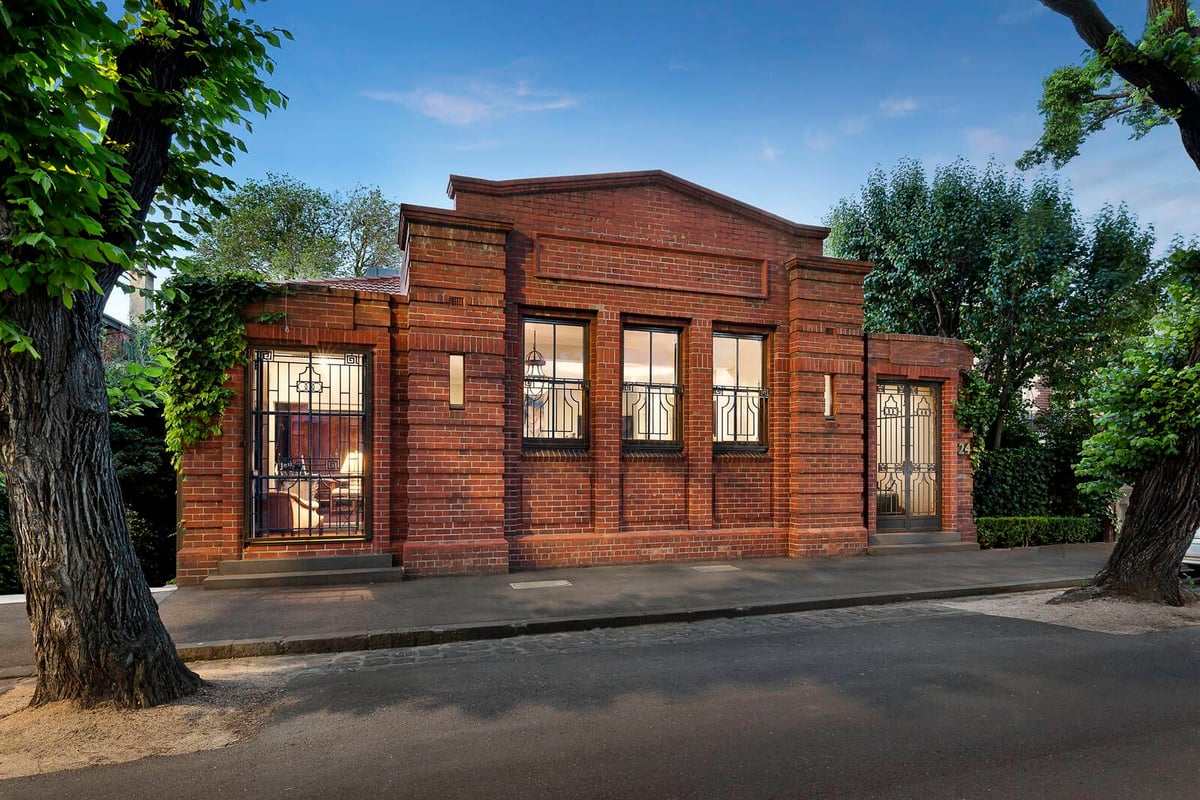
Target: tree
[[282, 228], [100, 116], [1146, 437], [1147, 407], [1009, 269], [1144, 85]]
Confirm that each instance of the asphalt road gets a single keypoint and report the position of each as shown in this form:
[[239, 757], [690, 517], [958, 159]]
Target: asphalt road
[[913, 701]]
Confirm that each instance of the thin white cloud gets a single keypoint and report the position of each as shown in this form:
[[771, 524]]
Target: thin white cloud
[[1022, 13], [473, 101], [818, 142], [854, 126], [770, 153], [898, 106], [986, 140]]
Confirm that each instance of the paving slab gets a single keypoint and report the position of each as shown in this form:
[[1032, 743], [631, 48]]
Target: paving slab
[[265, 621]]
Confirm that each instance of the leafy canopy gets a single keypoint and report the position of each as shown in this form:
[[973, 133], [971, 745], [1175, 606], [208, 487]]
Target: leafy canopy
[[1149, 398], [73, 209], [281, 228], [1152, 81], [1009, 268]]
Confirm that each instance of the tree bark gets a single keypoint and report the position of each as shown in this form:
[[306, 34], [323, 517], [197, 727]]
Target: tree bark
[[96, 628], [1164, 512]]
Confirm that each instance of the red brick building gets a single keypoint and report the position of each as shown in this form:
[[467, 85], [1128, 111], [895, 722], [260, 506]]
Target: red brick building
[[582, 370]]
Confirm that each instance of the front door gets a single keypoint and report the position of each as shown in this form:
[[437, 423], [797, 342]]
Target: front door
[[906, 477]]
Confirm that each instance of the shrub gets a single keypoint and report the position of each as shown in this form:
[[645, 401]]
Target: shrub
[[1013, 481], [1035, 531]]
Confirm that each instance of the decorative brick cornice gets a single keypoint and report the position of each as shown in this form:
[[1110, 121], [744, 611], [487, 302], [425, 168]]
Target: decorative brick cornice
[[425, 215], [627, 180], [827, 264]]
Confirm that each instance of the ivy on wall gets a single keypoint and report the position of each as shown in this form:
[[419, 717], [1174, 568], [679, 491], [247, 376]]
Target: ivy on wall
[[200, 329]]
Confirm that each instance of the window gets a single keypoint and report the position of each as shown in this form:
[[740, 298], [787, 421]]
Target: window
[[457, 377], [739, 399], [555, 382], [650, 388], [308, 454]]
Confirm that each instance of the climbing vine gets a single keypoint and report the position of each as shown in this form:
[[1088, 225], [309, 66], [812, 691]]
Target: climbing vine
[[201, 331]]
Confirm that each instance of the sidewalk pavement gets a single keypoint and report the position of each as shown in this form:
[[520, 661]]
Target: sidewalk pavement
[[256, 622]]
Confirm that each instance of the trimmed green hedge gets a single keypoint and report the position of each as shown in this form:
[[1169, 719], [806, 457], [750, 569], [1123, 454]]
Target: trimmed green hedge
[[1034, 531]]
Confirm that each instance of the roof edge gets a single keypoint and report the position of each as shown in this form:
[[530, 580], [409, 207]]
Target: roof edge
[[445, 216], [620, 180]]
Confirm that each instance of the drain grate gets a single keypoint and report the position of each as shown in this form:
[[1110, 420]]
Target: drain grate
[[717, 568]]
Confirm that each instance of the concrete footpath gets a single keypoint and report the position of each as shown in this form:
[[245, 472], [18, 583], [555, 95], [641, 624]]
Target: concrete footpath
[[235, 623]]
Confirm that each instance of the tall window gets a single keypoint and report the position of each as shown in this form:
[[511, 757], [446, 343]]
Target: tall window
[[555, 384], [650, 391], [308, 454], [739, 399]]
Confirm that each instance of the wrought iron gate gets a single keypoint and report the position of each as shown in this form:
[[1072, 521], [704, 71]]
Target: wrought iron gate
[[907, 477]]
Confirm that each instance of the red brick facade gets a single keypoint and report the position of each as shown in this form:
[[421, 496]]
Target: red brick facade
[[460, 490]]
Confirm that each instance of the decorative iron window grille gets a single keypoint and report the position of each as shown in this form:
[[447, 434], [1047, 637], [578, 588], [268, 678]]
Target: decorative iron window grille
[[308, 464], [555, 389], [650, 396], [739, 398]]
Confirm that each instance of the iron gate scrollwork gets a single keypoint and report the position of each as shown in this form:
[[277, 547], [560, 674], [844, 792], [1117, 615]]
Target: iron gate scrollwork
[[907, 468], [308, 462]]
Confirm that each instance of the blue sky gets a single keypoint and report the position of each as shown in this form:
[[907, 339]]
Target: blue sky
[[785, 105]]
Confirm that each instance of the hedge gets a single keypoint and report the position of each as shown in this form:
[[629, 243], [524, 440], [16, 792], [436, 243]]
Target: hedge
[[1034, 531]]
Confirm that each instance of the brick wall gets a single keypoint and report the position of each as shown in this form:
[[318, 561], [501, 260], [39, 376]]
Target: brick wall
[[457, 490], [938, 361]]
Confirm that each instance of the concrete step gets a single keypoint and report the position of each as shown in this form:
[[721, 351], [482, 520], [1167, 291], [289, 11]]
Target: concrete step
[[910, 549], [328, 577], [914, 537], [255, 566]]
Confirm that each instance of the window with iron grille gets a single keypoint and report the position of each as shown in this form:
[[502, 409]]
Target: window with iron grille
[[739, 397], [309, 474], [650, 387], [555, 388]]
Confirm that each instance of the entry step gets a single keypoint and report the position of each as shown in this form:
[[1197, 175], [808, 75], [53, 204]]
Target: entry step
[[909, 542], [260, 573]]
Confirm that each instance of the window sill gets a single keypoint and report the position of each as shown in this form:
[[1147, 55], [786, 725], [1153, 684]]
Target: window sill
[[747, 450], [652, 449]]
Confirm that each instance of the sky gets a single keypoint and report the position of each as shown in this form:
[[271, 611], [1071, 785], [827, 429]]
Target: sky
[[787, 106]]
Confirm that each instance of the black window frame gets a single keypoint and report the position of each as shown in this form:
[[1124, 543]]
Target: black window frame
[[554, 385], [650, 389], [736, 391]]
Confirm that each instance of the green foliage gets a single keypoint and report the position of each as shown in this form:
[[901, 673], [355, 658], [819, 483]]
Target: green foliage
[[1079, 100], [976, 407], [200, 331], [1010, 269], [133, 376], [72, 211], [1035, 531], [147, 481], [1013, 481], [1152, 395], [10, 579], [281, 228]]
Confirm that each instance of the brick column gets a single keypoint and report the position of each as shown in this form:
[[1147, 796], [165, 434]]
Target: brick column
[[605, 397], [698, 423], [827, 500], [455, 456]]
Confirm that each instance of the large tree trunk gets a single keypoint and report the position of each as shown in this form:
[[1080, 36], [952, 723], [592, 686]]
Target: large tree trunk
[[1164, 512], [96, 629]]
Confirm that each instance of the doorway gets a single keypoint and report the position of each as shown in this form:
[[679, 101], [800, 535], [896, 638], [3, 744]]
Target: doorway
[[907, 476]]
